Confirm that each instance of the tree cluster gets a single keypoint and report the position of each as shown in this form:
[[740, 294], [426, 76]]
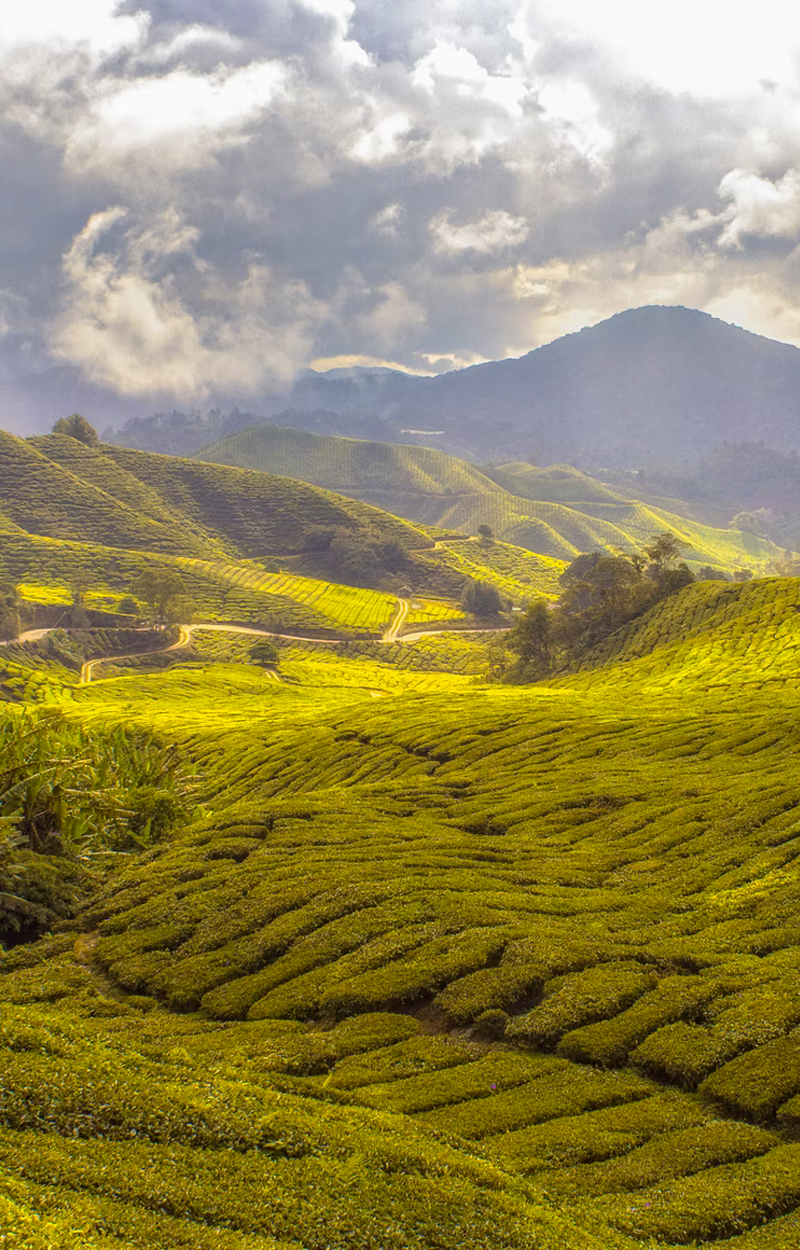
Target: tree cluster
[[77, 427], [600, 592], [356, 556]]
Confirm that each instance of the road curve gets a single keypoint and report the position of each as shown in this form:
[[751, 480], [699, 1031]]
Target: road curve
[[400, 614]]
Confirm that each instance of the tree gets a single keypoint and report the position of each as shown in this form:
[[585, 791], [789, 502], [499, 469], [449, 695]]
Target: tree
[[128, 606], [9, 611], [663, 550], [159, 589], [531, 639], [480, 598], [486, 532], [78, 616], [264, 653], [77, 427]]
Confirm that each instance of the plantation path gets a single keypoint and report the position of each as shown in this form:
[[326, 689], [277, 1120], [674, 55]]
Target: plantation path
[[426, 633], [187, 631], [401, 612]]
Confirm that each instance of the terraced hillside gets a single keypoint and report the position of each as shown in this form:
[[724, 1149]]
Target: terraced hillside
[[95, 517], [464, 966], [556, 512], [244, 514]]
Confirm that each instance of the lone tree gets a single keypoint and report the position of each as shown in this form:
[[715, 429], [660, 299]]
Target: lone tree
[[264, 653], [480, 598], [9, 610], [78, 616], [162, 590], [663, 551], [486, 532], [77, 427], [531, 639]]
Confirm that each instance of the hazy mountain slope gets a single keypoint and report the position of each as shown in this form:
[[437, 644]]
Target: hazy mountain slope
[[558, 511], [650, 384]]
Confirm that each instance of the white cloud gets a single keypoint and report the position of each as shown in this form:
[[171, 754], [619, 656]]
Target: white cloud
[[572, 104], [760, 207], [188, 40], [494, 232], [460, 69], [154, 108], [91, 22], [383, 140], [713, 48], [130, 329]]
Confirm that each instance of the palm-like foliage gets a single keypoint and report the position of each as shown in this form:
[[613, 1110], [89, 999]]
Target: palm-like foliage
[[69, 796]]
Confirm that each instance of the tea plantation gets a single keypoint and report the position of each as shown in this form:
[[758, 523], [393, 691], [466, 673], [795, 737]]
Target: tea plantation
[[555, 512], [432, 962], [358, 948]]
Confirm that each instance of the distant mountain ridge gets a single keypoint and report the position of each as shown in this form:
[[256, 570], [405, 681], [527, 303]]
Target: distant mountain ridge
[[651, 385]]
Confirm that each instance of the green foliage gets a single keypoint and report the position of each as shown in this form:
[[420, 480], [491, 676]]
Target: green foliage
[[480, 598], [264, 653], [67, 795], [159, 589], [77, 427]]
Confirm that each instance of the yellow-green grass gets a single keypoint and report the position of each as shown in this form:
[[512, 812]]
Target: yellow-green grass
[[348, 607], [220, 590], [518, 574], [713, 636], [121, 1127]]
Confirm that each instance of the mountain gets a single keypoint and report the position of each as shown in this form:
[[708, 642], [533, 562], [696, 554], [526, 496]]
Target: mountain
[[650, 385]]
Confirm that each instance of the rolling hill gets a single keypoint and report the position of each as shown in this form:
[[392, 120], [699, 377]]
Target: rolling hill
[[555, 512], [252, 547]]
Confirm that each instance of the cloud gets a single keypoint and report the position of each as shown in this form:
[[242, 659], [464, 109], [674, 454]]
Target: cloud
[[211, 196], [125, 321], [496, 231], [760, 207], [95, 24]]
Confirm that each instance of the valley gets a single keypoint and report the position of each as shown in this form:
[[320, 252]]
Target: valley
[[360, 945]]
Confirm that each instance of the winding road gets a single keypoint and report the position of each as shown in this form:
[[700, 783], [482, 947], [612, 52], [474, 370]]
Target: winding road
[[390, 634]]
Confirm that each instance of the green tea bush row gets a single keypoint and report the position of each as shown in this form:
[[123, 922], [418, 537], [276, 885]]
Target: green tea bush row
[[580, 998]]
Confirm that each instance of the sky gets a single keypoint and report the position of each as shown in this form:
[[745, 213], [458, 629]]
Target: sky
[[203, 197]]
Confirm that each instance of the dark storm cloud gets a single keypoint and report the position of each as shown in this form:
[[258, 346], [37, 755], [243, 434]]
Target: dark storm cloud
[[211, 196]]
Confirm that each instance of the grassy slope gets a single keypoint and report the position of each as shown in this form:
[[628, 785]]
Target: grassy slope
[[555, 512], [46, 498], [612, 860]]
